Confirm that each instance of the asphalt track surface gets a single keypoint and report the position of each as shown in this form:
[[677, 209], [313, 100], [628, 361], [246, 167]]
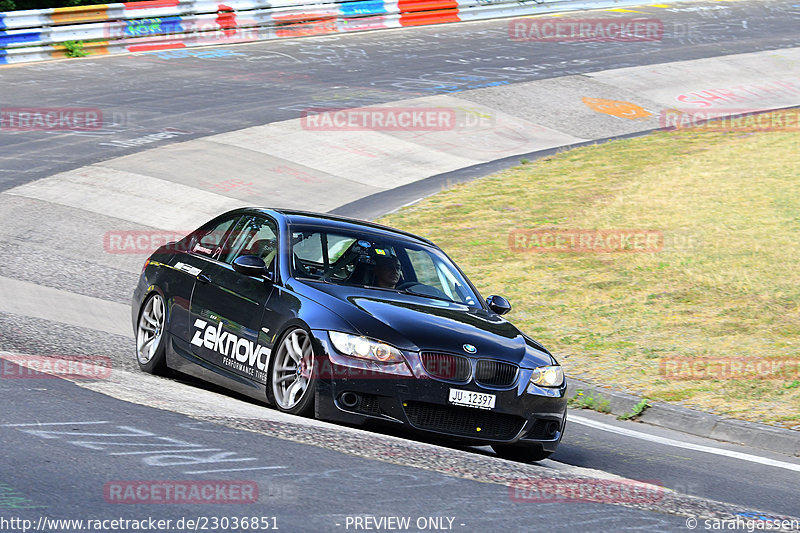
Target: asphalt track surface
[[319, 484], [307, 488], [196, 93]]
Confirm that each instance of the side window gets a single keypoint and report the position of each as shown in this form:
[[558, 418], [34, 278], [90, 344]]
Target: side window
[[431, 271], [257, 236], [337, 246], [447, 283], [315, 255], [208, 239], [424, 269], [308, 247]]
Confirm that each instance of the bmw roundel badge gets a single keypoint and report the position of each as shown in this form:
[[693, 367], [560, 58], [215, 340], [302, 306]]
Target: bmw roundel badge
[[470, 348]]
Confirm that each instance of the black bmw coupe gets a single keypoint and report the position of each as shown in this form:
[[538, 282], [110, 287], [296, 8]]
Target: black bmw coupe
[[348, 321]]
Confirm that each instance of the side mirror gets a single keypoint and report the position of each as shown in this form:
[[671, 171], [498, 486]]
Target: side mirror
[[498, 304], [250, 265]]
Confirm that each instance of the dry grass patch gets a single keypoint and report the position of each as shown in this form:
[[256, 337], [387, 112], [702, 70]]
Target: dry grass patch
[[726, 284]]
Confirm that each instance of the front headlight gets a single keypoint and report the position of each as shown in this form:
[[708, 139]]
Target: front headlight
[[365, 348], [548, 376]]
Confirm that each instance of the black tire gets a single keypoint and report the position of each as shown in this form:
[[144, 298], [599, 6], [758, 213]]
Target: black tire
[[293, 366], [525, 453], [150, 334]]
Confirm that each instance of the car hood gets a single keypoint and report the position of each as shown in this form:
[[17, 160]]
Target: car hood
[[417, 323]]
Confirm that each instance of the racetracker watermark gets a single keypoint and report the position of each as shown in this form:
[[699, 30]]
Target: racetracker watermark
[[139, 241], [50, 119], [550, 490], [180, 492], [586, 30], [380, 119], [690, 369], [586, 240], [143, 523], [226, 27], [64, 366], [730, 119]]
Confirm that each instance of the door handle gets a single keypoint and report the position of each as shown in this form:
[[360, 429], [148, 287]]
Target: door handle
[[203, 278]]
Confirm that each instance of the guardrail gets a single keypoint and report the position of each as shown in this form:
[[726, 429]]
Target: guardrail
[[38, 35]]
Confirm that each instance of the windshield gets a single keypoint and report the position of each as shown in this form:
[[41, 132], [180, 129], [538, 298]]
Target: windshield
[[366, 260]]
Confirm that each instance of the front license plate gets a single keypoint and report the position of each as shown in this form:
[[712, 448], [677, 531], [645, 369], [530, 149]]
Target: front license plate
[[472, 399]]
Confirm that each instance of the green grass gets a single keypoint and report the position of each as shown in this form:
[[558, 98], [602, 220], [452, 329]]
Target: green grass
[[636, 410], [725, 285], [584, 401]]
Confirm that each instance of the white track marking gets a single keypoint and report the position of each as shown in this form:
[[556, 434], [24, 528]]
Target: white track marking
[[57, 423], [235, 469], [173, 451], [686, 445]]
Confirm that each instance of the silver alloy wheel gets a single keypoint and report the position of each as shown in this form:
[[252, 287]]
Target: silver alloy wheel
[[292, 369], [151, 327]]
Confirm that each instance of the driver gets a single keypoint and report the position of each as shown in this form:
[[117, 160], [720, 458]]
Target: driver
[[387, 271]]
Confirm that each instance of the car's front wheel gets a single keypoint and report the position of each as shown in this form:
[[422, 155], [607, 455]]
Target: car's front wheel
[[292, 377], [150, 336], [521, 452]]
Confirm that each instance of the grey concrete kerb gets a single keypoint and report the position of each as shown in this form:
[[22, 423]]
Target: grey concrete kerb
[[695, 422]]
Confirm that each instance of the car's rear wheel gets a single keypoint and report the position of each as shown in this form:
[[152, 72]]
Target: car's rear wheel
[[292, 378], [521, 452], [150, 336]]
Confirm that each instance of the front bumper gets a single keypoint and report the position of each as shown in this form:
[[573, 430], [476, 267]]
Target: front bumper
[[355, 391]]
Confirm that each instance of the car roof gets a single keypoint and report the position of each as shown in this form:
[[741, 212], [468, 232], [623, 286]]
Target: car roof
[[327, 220]]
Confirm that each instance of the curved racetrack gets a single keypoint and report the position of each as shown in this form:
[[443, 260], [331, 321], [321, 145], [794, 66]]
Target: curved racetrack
[[188, 134]]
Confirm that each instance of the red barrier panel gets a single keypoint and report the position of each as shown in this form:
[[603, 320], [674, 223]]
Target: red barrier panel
[[424, 12], [151, 4], [155, 46], [305, 24]]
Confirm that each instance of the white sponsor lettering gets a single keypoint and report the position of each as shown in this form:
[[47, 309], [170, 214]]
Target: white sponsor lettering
[[229, 345], [189, 269]]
